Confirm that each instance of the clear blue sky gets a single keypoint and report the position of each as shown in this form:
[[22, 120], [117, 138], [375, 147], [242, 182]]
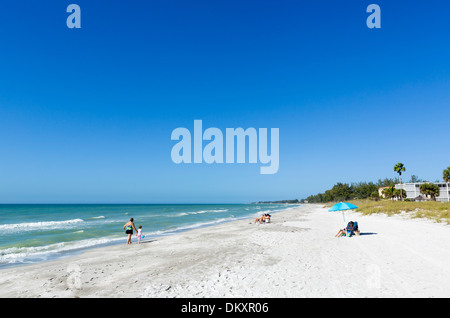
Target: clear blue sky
[[86, 114]]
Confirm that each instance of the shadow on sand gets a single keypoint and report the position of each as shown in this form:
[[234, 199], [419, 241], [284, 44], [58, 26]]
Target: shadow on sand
[[149, 241]]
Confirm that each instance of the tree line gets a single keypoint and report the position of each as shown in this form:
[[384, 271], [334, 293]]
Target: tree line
[[365, 190], [345, 191]]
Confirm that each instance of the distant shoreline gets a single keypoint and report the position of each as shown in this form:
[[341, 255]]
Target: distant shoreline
[[295, 201]]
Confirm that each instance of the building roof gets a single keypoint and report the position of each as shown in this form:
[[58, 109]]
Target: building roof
[[421, 198]]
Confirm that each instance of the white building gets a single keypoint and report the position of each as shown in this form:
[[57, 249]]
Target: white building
[[413, 190]]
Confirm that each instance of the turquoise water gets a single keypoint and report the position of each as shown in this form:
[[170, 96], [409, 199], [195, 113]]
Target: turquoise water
[[32, 233]]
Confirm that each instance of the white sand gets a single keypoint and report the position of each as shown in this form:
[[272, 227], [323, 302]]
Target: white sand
[[294, 256]]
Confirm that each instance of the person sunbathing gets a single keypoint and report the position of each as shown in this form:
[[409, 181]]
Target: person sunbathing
[[260, 220], [263, 218], [350, 229]]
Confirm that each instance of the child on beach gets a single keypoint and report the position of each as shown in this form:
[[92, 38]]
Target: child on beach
[[139, 234]]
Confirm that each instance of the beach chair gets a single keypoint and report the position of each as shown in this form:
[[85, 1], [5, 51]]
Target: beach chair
[[356, 229], [350, 230]]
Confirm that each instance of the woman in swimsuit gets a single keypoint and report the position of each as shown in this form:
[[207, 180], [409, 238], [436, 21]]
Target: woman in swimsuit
[[128, 227]]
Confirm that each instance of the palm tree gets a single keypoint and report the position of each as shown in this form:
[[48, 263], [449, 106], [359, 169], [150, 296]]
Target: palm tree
[[430, 189], [399, 193], [388, 193], [446, 176], [399, 167]]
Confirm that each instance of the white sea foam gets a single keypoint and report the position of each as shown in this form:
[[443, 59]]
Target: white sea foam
[[196, 212], [32, 226], [176, 215], [209, 211], [31, 254], [39, 253], [202, 217]]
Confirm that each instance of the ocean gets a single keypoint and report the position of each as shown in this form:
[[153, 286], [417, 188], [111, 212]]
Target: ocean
[[31, 233]]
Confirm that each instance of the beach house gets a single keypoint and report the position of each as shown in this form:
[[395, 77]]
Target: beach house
[[413, 191], [380, 192]]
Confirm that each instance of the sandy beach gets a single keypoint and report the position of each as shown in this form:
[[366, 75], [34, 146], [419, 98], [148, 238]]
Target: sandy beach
[[296, 255]]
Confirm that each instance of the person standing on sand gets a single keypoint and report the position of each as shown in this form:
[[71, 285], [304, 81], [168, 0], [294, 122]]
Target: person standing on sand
[[139, 234], [128, 227]]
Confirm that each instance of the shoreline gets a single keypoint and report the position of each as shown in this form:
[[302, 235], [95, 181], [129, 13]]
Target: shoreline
[[296, 255], [17, 255]]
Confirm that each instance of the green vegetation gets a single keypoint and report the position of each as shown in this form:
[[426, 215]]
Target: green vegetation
[[365, 195], [446, 175], [399, 167], [345, 191], [393, 193], [432, 210], [429, 189]]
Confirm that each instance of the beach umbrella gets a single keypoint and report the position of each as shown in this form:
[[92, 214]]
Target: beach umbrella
[[342, 206]]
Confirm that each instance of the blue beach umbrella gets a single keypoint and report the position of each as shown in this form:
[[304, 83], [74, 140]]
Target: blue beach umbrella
[[342, 206]]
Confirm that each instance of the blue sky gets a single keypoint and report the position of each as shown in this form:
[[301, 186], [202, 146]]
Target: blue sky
[[86, 114]]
